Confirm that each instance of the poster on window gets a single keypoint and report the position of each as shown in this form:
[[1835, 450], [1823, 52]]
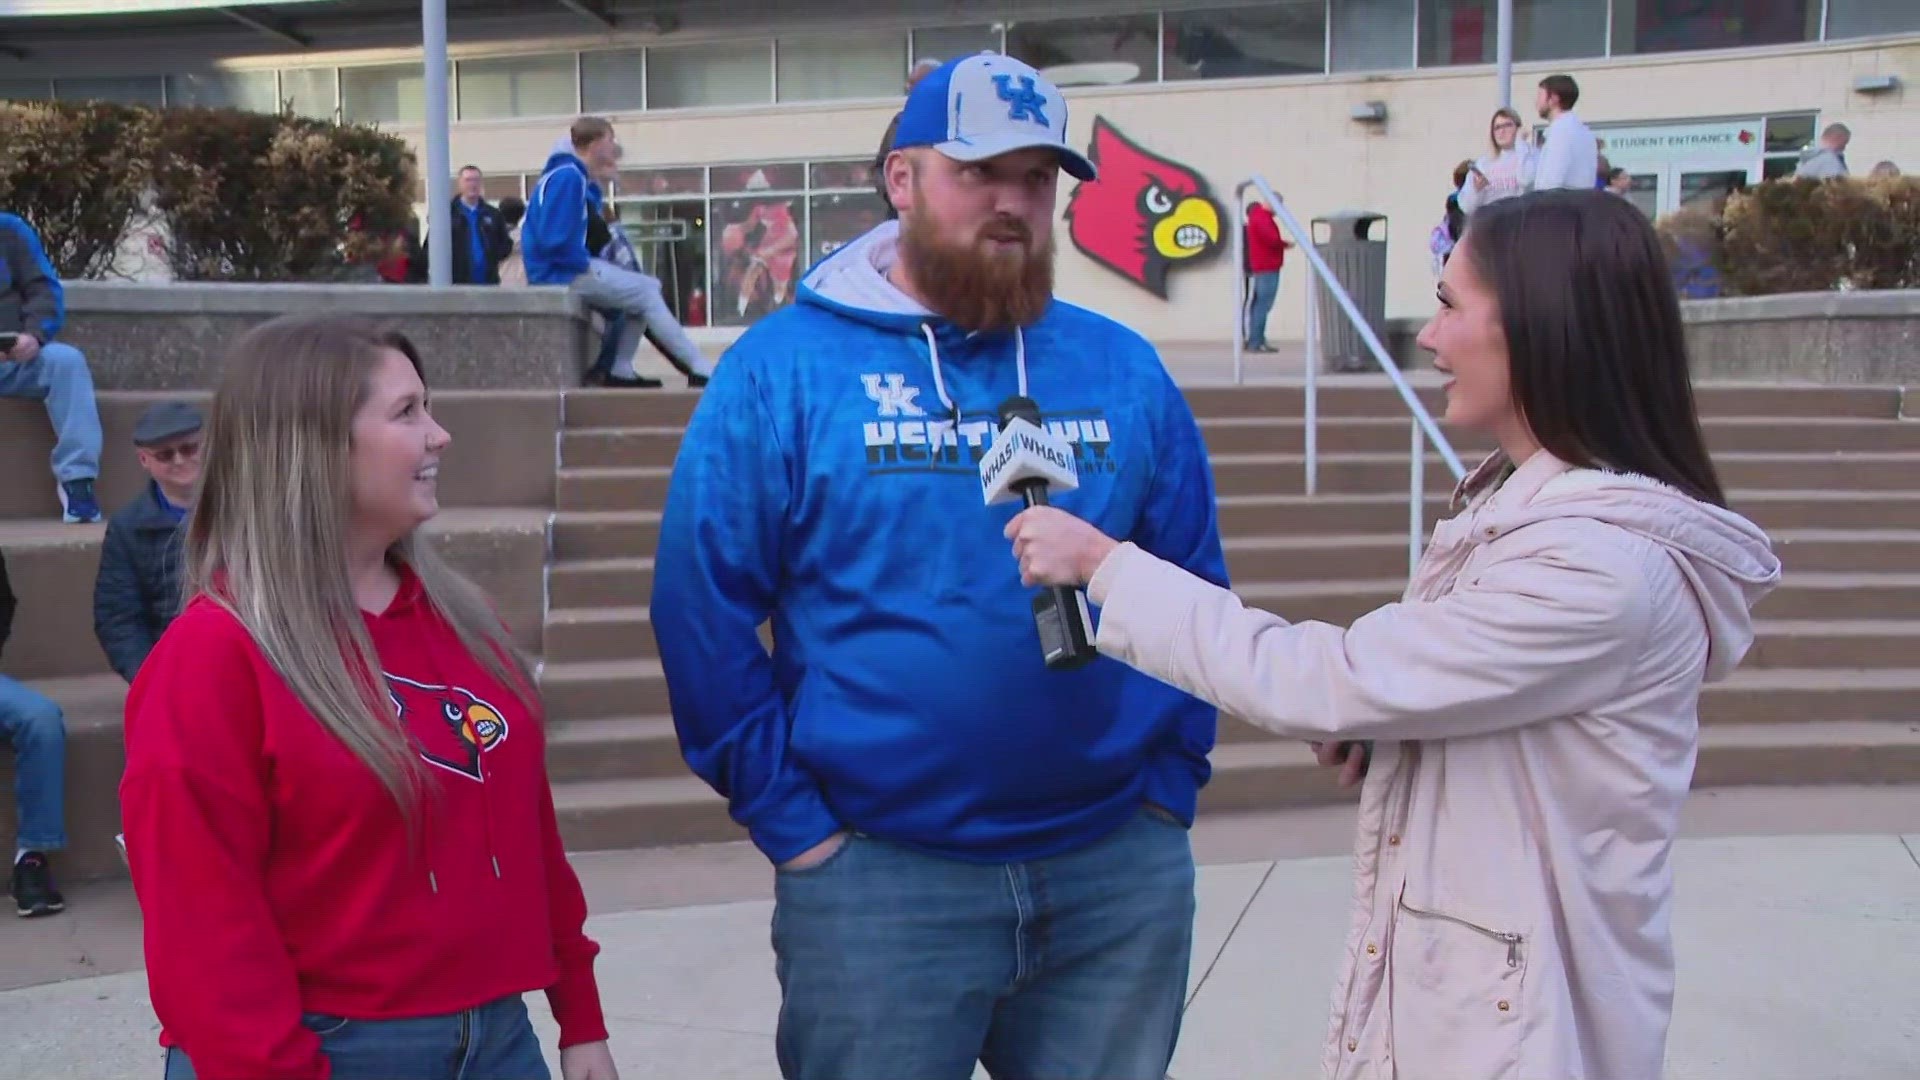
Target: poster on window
[[756, 256], [840, 219]]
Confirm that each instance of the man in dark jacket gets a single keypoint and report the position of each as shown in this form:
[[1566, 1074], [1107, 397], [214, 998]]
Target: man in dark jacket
[[33, 365], [138, 591], [33, 725], [481, 238]]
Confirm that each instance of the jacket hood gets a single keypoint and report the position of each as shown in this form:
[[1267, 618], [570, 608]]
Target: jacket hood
[[1726, 559], [852, 282], [562, 154]]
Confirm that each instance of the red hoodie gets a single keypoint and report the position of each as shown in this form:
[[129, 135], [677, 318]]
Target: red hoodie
[[1266, 248], [275, 873]]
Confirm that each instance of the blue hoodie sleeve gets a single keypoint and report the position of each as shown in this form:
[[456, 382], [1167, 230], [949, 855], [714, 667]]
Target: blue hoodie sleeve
[[1179, 523], [554, 233], [716, 579]]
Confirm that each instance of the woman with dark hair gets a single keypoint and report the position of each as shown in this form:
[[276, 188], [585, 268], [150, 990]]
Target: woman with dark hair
[[1531, 706], [338, 818]]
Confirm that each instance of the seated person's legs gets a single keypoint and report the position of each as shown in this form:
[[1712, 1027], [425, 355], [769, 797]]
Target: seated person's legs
[[32, 724], [605, 285], [58, 375], [613, 366]]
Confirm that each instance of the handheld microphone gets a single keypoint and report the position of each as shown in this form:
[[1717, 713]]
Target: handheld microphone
[[1024, 461]]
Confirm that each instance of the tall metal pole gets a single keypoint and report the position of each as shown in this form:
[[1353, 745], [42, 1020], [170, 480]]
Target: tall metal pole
[[1503, 52], [433, 28]]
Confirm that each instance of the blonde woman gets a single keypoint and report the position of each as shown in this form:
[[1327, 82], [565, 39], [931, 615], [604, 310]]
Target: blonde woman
[[1532, 705], [1504, 173], [336, 804]]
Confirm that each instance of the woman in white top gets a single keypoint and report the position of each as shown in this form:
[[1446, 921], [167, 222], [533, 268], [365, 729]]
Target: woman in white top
[[1506, 172]]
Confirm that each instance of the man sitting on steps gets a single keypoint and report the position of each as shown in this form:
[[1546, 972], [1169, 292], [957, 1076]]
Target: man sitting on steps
[[137, 592], [33, 726], [33, 365]]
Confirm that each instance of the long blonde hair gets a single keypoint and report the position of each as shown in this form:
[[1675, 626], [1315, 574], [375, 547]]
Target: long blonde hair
[[268, 535]]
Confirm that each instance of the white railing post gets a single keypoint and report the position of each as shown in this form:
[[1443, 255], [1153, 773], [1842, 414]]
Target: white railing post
[[1312, 433], [1416, 498], [1241, 286]]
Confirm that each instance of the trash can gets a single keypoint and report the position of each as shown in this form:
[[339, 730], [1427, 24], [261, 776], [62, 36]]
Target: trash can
[[1359, 263]]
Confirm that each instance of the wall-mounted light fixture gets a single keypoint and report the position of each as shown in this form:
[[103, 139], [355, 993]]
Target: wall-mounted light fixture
[[1371, 112], [1876, 84]]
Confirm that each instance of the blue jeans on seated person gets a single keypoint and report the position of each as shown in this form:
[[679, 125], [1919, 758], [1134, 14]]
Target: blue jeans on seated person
[[641, 298], [493, 1042], [59, 377], [32, 724], [898, 965]]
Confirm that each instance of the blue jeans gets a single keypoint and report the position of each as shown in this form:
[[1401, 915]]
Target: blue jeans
[[897, 965], [493, 1042], [59, 377], [1265, 287], [31, 723]]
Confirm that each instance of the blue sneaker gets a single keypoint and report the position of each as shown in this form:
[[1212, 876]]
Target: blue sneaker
[[77, 504]]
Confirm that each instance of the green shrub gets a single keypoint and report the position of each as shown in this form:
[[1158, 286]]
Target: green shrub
[[239, 196]]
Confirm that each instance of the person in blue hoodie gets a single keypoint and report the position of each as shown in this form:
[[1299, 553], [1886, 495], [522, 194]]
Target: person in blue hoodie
[[554, 248], [980, 859]]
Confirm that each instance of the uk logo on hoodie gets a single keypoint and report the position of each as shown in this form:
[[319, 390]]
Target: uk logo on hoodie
[[904, 437]]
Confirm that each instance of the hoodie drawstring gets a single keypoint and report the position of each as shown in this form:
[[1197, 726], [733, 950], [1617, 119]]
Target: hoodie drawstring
[[940, 384]]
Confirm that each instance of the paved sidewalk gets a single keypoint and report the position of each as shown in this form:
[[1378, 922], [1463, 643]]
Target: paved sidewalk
[[1796, 958]]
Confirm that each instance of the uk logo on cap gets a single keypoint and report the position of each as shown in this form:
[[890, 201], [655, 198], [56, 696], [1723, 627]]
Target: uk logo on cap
[[979, 107]]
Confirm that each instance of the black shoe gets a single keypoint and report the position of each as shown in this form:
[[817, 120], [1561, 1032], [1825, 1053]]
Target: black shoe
[[33, 891], [695, 382], [637, 382]]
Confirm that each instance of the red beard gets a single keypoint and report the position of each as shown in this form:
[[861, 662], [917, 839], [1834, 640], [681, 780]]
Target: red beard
[[986, 285]]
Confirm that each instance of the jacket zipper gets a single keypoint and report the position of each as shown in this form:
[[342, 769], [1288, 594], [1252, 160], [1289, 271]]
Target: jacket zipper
[[1513, 941]]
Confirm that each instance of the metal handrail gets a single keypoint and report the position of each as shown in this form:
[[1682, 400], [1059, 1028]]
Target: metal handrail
[[1425, 430]]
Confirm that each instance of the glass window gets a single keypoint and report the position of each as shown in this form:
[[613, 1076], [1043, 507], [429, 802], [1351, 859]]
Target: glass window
[[119, 89], [783, 176], [253, 90], [1774, 168], [385, 94], [670, 239], [517, 86], [653, 183], [1656, 26], [1286, 38], [1464, 31], [849, 65], [1372, 35], [828, 175], [1789, 134], [723, 73], [26, 89], [1859, 18], [837, 220], [756, 257], [1090, 52], [943, 43], [309, 92], [613, 81]]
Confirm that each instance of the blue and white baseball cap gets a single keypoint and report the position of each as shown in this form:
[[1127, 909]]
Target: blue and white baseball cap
[[982, 106]]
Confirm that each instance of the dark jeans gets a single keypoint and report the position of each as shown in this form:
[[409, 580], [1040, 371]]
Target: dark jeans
[[32, 724], [1262, 290], [493, 1042], [896, 965]]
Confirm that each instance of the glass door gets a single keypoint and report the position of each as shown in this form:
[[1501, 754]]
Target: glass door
[[1683, 185]]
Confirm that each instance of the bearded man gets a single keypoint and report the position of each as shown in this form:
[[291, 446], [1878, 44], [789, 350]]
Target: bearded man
[[979, 859]]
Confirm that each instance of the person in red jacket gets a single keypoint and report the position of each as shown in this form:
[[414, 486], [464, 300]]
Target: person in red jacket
[[336, 804], [1266, 254]]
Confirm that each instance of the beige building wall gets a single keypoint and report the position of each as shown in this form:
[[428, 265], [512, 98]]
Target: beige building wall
[[1297, 133]]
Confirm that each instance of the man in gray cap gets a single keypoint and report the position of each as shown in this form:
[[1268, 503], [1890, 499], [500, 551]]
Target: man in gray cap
[[137, 592]]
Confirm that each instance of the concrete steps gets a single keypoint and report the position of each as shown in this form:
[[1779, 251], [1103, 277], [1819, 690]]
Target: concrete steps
[[1827, 695]]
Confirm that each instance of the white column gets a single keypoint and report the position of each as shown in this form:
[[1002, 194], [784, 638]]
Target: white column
[[433, 31], [1503, 53]]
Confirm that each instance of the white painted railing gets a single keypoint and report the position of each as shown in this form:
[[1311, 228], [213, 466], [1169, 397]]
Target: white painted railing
[[1425, 430]]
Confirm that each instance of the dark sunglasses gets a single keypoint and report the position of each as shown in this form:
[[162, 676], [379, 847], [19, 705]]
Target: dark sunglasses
[[185, 451]]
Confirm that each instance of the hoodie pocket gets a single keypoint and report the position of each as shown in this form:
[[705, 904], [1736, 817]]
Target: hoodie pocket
[[1456, 997]]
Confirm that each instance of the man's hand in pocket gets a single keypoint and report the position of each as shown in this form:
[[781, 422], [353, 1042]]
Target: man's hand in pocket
[[816, 854]]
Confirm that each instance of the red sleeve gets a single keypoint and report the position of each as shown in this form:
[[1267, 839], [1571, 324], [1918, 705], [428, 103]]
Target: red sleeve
[[197, 819], [1266, 230], [575, 996]]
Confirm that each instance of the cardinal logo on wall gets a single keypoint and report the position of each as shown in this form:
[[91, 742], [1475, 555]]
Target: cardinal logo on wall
[[1144, 215]]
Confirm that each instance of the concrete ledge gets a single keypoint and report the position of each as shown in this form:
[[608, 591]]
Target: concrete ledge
[[170, 336], [503, 450], [1875, 304], [1849, 338], [52, 568]]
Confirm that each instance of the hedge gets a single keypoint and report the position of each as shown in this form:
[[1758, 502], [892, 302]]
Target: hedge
[[1793, 235], [228, 195]]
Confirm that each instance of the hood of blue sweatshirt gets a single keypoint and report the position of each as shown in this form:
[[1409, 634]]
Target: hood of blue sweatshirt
[[553, 235], [829, 482]]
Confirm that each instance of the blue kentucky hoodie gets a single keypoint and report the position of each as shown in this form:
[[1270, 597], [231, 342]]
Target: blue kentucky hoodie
[[829, 482], [553, 236]]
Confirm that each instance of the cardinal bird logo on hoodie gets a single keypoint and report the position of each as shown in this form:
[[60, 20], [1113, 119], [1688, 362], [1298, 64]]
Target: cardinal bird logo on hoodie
[[1144, 214], [452, 725]]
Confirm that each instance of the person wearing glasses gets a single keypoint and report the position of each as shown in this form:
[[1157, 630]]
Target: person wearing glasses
[[137, 592], [1504, 173]]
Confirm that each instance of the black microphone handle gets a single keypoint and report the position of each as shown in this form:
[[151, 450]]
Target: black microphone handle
[[1066, 637]]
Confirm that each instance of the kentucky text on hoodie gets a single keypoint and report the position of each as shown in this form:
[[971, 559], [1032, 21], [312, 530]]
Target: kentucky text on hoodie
[[275, 873], [823, 482]]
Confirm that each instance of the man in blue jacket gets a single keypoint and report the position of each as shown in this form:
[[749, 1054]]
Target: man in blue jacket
[[553, 245], [979, 858]]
